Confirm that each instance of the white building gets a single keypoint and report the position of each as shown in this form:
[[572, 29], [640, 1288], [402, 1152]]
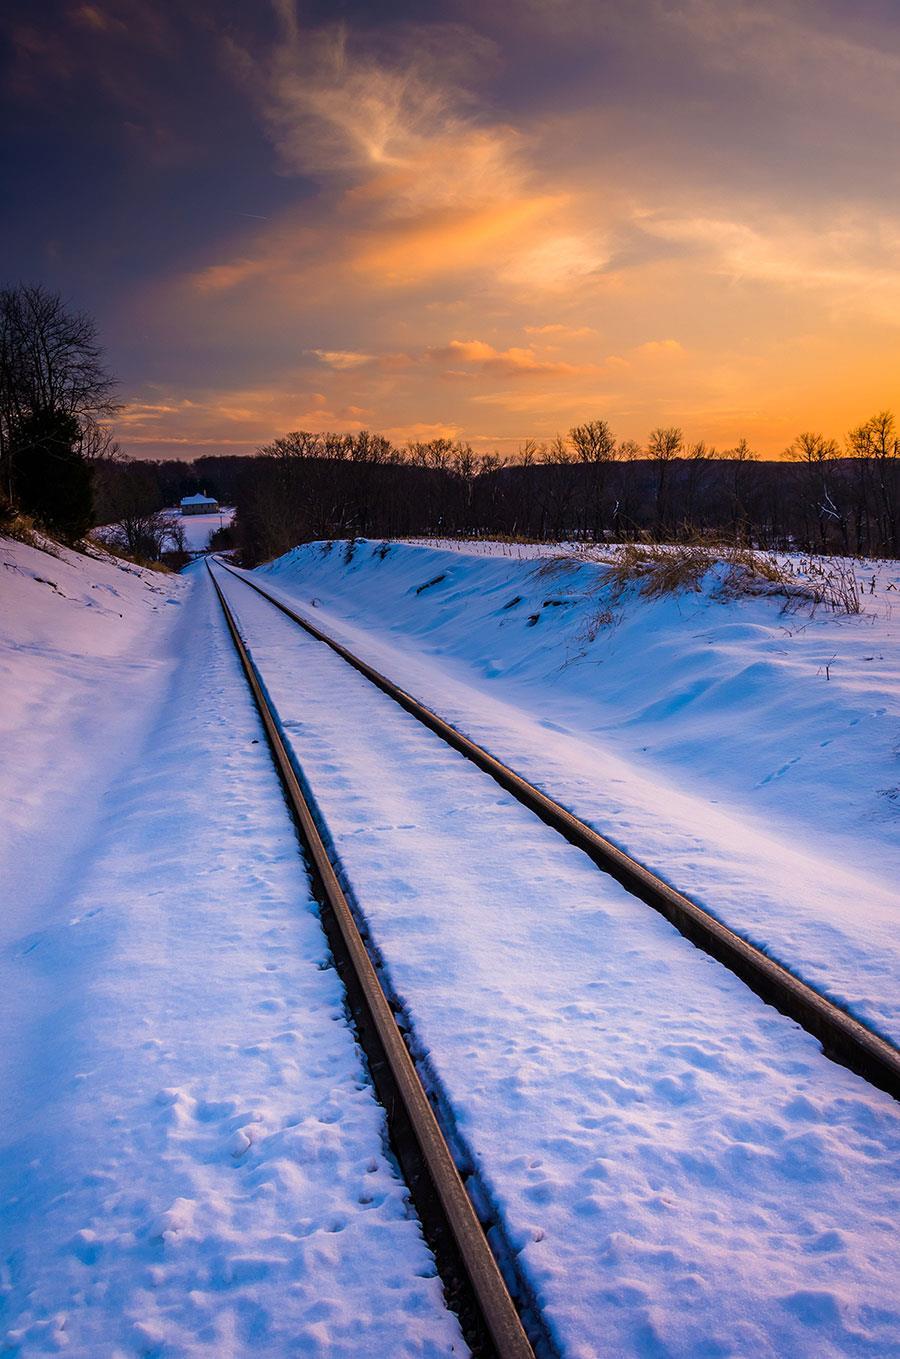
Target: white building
[[199, 504]]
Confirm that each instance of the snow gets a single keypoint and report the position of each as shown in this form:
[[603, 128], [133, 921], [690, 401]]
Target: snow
[[192, 1160], [199, 528], [192, 1157], [674, 1168], [74, 628], [703, 735]]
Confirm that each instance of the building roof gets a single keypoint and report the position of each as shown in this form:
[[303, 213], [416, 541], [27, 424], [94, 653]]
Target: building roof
[[198, 500]]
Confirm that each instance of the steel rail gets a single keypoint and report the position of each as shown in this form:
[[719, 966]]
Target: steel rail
[[498, 1312], [844, 1039]]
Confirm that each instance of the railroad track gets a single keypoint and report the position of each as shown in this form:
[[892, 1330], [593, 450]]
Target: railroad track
[[843, 1039], [473, 1282]]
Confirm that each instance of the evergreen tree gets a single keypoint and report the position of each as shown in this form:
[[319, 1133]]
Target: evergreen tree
[[51, 477]]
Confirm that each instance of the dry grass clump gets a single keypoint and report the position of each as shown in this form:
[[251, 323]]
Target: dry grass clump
[[599, 621], [549, 568], [832, 582], [660, 569], [102, 548], [664, 569], [23, 529]]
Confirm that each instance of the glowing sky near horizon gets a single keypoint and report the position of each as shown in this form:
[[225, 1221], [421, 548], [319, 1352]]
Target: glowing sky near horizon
[[486, 220]]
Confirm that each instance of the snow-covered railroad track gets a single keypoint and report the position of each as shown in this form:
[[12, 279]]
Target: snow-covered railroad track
[[472, 1276], [843, 1038], [670, 1166]]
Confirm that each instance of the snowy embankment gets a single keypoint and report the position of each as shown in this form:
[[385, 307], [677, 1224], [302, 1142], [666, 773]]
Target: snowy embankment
[[675, 1168], [747, 753], [191, 1159], [85, 654]]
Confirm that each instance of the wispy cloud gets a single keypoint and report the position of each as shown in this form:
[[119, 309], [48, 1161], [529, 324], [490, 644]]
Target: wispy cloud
[[557, 329], [414, 179], [342, 358], [513, 362], [848, 263]]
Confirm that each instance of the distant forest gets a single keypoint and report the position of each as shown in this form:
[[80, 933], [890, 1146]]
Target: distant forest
[[586, 486], [61, 468]]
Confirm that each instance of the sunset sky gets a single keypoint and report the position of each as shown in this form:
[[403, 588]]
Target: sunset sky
[[487, 220]]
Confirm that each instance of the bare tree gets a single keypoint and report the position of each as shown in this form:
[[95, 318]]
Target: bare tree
[[816, 453], [328, 486], [51, 365], [595, 447], [593, 442], [739, 458], [530, 453], [664, 446], [98, 443], [813, 449], [146, 536], [698, 456], [559, 488], [558, 453], [128, 498], [877, 443]]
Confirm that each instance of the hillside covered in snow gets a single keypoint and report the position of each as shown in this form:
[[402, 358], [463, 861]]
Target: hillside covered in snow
[[743, 744]]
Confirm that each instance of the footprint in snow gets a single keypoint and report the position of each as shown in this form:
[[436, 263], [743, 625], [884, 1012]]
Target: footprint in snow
[[87, 1246], [175, 1222], [240, 1143]]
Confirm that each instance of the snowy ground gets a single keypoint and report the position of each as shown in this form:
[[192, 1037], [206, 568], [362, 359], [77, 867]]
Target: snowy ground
[[192, 1158], [663, 1194], [199, 528], [750, 756], [84, 659]]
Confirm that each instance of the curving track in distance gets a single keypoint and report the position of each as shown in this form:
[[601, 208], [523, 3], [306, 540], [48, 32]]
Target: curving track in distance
[[843, 1038]]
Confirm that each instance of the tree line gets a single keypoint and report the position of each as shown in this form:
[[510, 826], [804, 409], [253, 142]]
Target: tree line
[[60, 464], [585, 485]]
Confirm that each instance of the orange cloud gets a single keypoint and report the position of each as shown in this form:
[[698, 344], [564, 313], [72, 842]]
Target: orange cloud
[[417, 186], [217, 278], [556, 328], [421, 431], [513, 362], [342, 358], [444, 241], [659, 349], [94, 17]]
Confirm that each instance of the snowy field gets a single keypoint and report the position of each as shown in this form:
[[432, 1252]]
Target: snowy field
[[193, 1162], [199, 528], [748, 754]]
